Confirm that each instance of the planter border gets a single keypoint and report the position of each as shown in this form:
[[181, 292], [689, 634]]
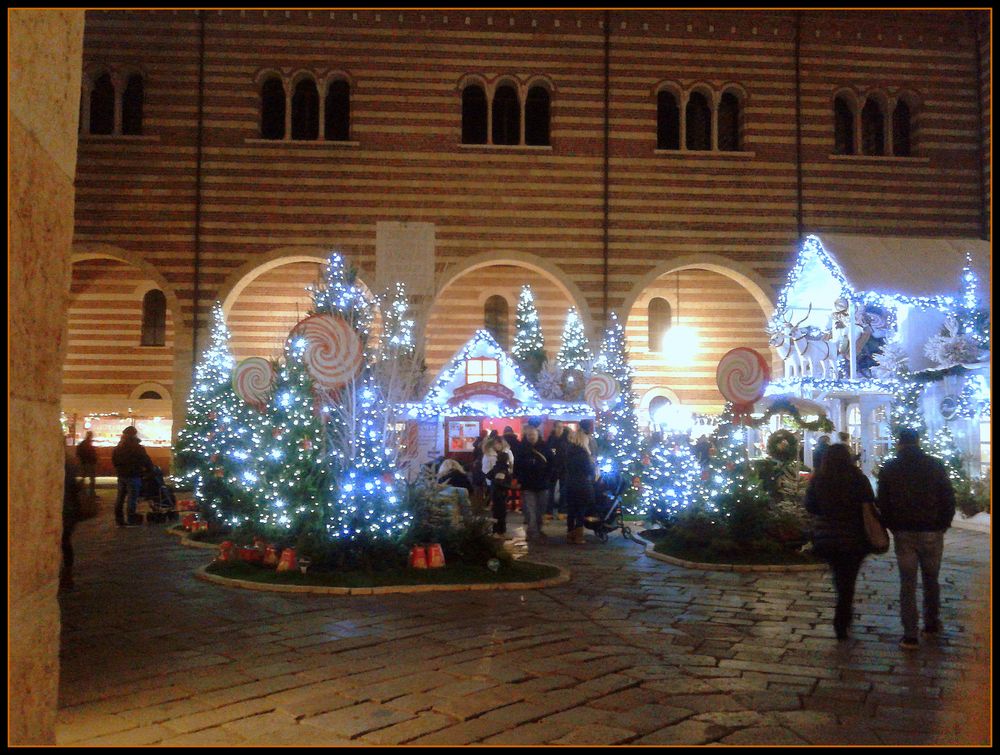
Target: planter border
[[561, 578], [186, 540], [727, 567]]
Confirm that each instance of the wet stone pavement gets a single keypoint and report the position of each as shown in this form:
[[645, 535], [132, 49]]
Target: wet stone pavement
[[630, 651]]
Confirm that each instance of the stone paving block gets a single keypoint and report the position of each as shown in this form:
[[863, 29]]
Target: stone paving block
[[763, 735], [392, 688], [144, 735], [781, 669], [685, 733], [541, 684], [542, 732], [403, 732], [355, 720], [704, 703], [681, 686], [582, 715], [90, 727], [259, 728], [644, 719], [767, 701], [732, 719], [598, 734], [218, 716], [155, 714], [252, 690], [469, 706], [215, 737]]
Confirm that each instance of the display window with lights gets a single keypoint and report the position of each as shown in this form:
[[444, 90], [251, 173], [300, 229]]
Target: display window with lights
[[482, 370]]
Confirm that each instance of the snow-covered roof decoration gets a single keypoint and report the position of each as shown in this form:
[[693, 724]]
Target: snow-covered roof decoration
[[482, 344]]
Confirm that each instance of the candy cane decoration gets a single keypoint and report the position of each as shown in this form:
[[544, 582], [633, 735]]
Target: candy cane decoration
[[252, 381], [600, 388], [742, 376], [333, 350]]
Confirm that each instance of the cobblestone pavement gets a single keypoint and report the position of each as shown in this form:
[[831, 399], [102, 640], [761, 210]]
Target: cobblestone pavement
[[630, 651]]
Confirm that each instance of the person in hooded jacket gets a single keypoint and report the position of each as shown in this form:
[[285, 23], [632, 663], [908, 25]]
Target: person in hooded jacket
[[131, 462], [834, 498]]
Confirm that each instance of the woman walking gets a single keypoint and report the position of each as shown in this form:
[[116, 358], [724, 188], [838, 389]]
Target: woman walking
[[531, 468], [835, 497], [580, 476]]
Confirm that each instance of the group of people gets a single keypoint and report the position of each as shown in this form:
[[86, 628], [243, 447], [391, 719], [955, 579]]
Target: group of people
[[823, 445], [554, 474], [915, 501]]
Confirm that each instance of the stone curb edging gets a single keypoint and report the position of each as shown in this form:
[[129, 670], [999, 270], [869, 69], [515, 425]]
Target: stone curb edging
[[187, 542], [559, 579], [727, 567]]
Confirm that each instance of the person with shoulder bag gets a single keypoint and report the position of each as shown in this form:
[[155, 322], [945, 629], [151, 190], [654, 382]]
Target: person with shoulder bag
[[836, 498]]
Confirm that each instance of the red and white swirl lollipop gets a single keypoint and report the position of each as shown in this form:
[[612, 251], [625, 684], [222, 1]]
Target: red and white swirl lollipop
[[600, 389], [252, 381], [333, 351], [742, 376]]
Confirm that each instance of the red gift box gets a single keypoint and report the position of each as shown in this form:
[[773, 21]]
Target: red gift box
[[287, 561], [418, 557], [435, 556]]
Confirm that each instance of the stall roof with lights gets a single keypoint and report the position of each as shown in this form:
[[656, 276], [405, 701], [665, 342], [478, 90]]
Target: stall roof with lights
[[910, 266]]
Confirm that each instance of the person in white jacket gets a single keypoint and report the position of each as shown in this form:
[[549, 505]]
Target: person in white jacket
[[498, 465]]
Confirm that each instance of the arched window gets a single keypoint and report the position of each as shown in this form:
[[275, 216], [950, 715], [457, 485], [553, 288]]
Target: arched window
[[655, 406], [729, 123], [659, 319], [537, 113], [698, 122], [305, 111], [102, 106], [272, 109], [902, 145], [506, 116], [843, 127], [132, 106], [872, 129], [337, 125], [154, 318], [668, 121], [151, 395], [495, 317], [473, 115]]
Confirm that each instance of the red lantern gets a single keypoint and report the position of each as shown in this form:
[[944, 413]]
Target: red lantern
[[219, 472], [210, 435], [251, 555], [704, 475], [418, 557], [187, 522], [435, 556], [214, 458], [187, 505], [645, 461], [271, 555], [388, 478], [199, 527], [287, 561], [227, 551], [276, 433], [211, 415], [305, 444]]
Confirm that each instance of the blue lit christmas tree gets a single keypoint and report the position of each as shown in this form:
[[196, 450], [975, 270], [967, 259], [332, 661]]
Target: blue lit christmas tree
[[529, 343], [619, 437], [574, 352], [212, 447]]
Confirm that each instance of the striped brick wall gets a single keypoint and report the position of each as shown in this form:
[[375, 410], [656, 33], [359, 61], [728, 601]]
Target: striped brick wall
[[725, 317], [103, 355], [405, 161]]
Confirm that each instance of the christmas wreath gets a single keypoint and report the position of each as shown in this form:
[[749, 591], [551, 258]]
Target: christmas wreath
[[783, 446]]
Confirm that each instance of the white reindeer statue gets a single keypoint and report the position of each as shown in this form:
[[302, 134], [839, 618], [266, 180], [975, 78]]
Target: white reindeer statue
[[807, 352]]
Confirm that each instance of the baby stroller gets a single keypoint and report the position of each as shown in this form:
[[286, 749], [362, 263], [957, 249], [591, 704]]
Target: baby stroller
[[158, 496], [608, 514]]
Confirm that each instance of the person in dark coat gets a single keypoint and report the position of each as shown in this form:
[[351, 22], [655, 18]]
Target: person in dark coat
[[580, 477], [917, 503], [131, 462], [86, 456], [834, 497], [531, 468], [821, 447], [500, 477], [587, 428], [512, 440], [557, 443], [70, 518], [451, 473]]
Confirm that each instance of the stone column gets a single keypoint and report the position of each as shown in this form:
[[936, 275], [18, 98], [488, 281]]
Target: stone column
[[46, 59]]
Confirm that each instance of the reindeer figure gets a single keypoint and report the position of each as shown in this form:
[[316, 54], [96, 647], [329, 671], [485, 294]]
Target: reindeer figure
[[807, 352]]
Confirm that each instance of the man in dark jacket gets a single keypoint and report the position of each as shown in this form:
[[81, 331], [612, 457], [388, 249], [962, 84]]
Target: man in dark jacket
[[917, 503], [531, 468], [131, 461], [86, 455]]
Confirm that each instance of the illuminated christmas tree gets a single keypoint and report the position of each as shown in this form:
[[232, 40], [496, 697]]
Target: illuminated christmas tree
[[574, 352], [212, 447], [619, 437], [529, 344], [671, 482]]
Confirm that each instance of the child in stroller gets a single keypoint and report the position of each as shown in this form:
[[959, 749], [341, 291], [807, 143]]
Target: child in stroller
[[160, 496], [607, 515]]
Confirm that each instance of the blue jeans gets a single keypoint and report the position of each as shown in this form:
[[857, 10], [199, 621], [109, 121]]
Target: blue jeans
[[130, 486], [533, 506], [921, 550]]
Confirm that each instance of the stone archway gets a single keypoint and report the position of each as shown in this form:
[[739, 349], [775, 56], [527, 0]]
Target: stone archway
[[728, 304], [458, 308], [264, 299]]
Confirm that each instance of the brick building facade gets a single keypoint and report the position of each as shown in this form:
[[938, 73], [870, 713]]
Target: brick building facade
[[617, 206]]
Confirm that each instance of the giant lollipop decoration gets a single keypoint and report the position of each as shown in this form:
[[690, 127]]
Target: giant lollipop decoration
[[333, 351], [252, 380], [742, 376], [600, 389]]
